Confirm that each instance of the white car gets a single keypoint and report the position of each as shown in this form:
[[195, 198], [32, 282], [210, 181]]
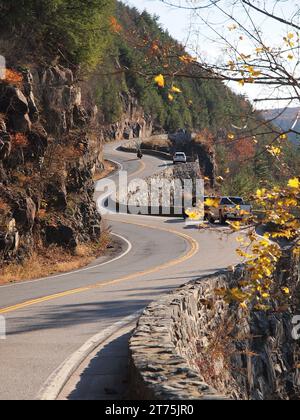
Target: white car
[[179, 157]]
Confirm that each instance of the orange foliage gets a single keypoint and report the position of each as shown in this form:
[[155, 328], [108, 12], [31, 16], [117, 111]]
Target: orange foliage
[[116, 27], [13, 77], [205, 137], [154, 47], [3, 206], [242, 149], [19, 140], [42, 213]]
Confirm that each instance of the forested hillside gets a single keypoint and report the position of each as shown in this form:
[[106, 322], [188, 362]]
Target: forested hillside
[[143, 49]]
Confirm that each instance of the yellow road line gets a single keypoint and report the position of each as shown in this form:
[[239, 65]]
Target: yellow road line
[[194, 248], [140, 170]]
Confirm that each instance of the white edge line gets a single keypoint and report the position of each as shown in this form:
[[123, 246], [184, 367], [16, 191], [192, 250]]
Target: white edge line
[[129, 248], [121, 167], [56, 382]]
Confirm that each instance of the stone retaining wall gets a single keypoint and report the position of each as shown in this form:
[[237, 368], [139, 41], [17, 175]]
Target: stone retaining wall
[[191, 345]]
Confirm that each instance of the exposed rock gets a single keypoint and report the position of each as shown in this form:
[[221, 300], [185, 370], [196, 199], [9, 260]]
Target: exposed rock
[[25, 213], [28, 91], [133, 123], [56, 195], [80, 116], [38, 140], [166, 189], [5, 146], [62, 235], [9, 240], [207, 160], [57, 76], [20, 123], [46, 173], [12, 100], [62, 101]]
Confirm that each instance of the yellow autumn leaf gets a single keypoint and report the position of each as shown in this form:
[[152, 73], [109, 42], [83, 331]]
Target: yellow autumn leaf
[[274, 151], [194, 214], [261, 193], [187, 59], [175, 89], [243, 305], [160, 80], [256, 73], [212, 202], [235, 226], [231, 65], [296, 252], [294, 183], [286, 290]]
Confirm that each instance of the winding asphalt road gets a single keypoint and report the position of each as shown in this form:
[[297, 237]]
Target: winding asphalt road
[[49, 319]]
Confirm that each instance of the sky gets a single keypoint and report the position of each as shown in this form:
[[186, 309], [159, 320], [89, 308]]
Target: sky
[[174, 20], [190, 31]]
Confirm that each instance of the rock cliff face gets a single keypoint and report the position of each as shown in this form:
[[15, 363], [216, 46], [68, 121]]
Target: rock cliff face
[[167, 192], [49, 149], [51, 144], [133, 123]]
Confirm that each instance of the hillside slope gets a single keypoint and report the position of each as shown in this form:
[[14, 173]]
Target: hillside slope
[[286, 119], [139, 51]]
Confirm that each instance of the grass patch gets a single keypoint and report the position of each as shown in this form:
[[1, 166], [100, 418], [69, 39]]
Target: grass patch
[[109, 167], [45, 262]]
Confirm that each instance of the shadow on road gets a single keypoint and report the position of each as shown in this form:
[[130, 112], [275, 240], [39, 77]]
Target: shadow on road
[[106, 376], [60, 317]]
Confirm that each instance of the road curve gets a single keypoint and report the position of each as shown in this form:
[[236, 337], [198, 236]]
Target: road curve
[[49, 319]]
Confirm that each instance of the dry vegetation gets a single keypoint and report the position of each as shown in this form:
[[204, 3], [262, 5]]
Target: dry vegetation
[[109, 168], [216, 362], [157, 142], [53, 260]]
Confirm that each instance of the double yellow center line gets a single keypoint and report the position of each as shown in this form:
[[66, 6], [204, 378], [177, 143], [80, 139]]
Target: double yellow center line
[[194, 248]]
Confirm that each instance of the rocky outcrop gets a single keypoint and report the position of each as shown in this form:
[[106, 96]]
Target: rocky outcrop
[[49, 150], [168, 192], [207, 160], [190, 344], [133, 123]]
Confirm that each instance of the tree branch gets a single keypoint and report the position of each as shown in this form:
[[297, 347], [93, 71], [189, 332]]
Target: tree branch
[[264, 12]]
